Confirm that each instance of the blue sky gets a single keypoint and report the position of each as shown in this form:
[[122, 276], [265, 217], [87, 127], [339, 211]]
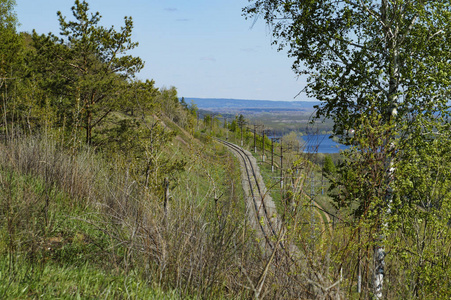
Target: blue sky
[[204, 48]]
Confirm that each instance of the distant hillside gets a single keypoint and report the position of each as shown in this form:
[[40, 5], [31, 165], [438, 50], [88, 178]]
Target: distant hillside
[[216, 104]]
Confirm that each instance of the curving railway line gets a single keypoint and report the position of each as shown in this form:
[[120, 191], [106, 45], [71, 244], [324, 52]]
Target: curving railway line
[[265, 220]]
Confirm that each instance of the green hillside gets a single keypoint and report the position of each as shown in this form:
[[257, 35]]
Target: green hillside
[[114, 188]]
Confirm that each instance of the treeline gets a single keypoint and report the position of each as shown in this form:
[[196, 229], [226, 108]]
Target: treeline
[[103, 182], [103, 190], [82, 82]]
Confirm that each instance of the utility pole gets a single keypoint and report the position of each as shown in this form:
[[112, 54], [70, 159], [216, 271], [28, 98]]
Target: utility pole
[[197, 125], [241, 123], [272, 152], [322, 178], [281, 164], [241, 129], [255, 136], [272, 155], [312, 196], [211, 122], [255, 139], [263, 145], [227, 129]]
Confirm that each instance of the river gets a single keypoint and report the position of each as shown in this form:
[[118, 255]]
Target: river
[[320, 143]]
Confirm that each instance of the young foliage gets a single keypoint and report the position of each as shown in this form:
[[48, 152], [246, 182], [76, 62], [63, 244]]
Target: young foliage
[[363, 54], [10, 41], [329, 166], [382, 68]]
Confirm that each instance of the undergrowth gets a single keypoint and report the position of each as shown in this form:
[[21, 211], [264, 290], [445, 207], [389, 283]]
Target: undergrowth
[[75, 225]]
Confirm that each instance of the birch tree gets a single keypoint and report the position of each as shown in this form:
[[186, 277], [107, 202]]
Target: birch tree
[[388, 58]]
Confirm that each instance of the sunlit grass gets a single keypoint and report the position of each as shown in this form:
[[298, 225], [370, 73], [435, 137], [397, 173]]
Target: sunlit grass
[[23, 280]]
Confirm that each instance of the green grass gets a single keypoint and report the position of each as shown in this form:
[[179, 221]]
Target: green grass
[[23, 280], [50, 249], [57, 244]]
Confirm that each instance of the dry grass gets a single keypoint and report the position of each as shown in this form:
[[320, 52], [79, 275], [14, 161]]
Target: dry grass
[[201, 246]]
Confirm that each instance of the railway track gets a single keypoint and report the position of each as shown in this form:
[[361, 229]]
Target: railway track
[[265, 219]]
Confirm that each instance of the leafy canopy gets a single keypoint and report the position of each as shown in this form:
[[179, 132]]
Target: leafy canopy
[[359, 54], [382, 68], [10, 41]]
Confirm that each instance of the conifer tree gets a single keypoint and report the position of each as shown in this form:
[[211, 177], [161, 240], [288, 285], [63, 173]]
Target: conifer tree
[[87, 66]]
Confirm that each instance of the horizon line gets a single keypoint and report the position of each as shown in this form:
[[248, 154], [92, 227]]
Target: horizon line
[[210, 98]]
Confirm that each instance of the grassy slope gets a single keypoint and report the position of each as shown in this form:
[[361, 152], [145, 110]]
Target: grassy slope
[[48, 252], [52, 244]]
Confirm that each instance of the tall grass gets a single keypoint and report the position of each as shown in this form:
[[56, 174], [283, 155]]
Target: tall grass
[[45, 158], [62, 212], [71, 210]]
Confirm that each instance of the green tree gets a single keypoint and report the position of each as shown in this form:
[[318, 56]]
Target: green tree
[[170, 105], [140, 95], [241, 121], [207, 120], [363, 54], [291, 149], [11, 62], [192, 107], [329, 166], [385, 60], [291, 142], [192, 115], [10, 40], [87, 66], [183, 103], [233, 126], [424, 206]]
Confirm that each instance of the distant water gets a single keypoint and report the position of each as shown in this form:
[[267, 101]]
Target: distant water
[[321, 143]]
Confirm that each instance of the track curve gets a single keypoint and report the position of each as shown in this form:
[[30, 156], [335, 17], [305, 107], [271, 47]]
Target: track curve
[[265, 215]]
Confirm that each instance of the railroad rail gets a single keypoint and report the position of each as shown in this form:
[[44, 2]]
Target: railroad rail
[[265, 211]]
